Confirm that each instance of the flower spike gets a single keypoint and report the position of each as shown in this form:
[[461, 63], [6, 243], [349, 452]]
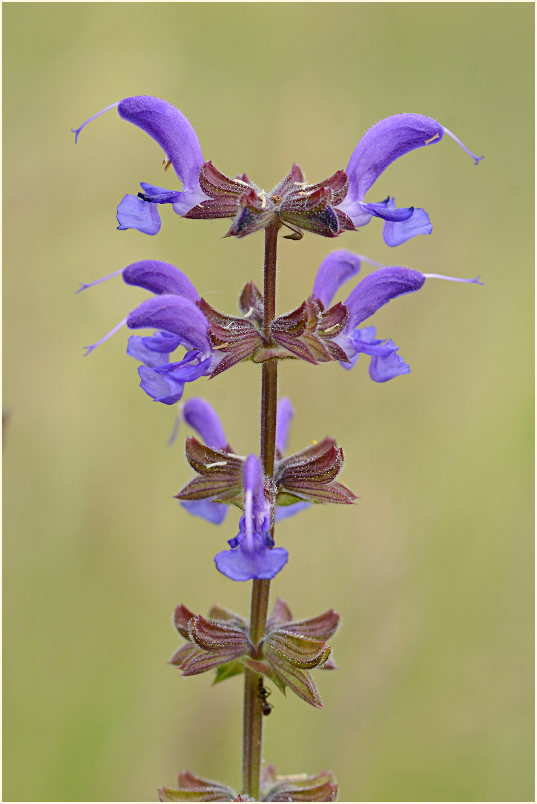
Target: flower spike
[[277, 649]]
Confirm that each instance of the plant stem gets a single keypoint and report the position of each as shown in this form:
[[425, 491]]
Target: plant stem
[[253, 717], [269, 278]]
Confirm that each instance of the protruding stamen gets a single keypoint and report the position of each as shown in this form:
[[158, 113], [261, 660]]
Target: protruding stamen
[[76, 131], [109, 335], [85, 285], [371, 262], [432, 139], [474, 281], [477, 159]]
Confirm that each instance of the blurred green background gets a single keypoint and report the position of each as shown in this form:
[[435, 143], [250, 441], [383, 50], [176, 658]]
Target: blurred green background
[[432, 570]]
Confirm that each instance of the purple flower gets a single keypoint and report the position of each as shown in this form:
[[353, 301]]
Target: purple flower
[[252, 554], [178, 321], [385, 142], [369, 295], [202, 417], [327, 208], [175, 135]]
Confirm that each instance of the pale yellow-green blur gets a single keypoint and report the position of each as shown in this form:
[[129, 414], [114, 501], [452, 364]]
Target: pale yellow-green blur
[[432, 569]]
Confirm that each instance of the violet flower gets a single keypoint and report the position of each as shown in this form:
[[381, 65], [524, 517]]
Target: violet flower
[[252, 554], [202, 417], [327, 208], [371, 293], [175, 135], [173, 312], [385, 142]]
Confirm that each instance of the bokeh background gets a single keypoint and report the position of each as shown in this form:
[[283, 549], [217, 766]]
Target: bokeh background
[[432, 569]]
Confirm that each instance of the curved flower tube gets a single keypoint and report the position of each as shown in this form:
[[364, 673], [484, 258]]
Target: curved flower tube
[[202, 417], [369, 295], [252, 554], [385, 142]]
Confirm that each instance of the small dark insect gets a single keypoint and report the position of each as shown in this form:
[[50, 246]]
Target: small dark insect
[[263, 694]]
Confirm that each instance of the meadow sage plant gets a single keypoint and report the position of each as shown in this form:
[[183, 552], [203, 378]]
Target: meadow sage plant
[[191, 340]]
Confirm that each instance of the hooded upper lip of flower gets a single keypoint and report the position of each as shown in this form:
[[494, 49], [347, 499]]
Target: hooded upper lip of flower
[[327, 208]]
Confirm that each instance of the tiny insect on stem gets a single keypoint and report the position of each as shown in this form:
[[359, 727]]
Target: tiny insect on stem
[[263, 694]]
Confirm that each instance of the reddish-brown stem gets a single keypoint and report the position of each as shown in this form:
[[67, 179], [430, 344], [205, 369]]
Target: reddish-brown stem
[[269, 277], [253, 717]]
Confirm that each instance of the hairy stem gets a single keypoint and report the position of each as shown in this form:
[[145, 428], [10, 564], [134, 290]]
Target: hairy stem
[[253, 717]]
